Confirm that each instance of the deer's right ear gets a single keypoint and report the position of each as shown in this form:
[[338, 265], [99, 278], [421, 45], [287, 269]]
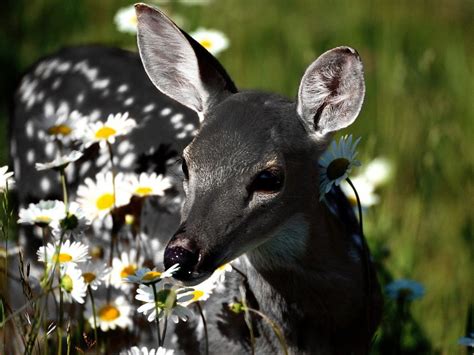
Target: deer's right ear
[[331, 91], [179, 66]]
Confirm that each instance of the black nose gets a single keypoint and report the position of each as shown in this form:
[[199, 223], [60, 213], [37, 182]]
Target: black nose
[[180, 252]]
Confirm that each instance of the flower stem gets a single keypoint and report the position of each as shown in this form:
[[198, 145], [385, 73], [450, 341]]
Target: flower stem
[[366, 265], [94, 317], [62, 173], [276, 329], [157, 319], [247, 318], [198, 305], [165, 326]]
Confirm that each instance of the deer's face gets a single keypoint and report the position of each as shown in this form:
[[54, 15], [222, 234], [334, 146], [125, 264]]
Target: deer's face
[[243, 178], [253, 163]]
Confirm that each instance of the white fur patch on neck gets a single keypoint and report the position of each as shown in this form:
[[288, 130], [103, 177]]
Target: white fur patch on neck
[[284, 248]]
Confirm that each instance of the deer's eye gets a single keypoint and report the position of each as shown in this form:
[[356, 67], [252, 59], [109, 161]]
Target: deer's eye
[[184, 167], [267, 181]]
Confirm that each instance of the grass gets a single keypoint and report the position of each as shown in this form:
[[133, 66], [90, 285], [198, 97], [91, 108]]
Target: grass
[[418, 110]]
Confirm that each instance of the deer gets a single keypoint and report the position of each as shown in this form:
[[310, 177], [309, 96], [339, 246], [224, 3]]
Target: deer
[[249, 183]]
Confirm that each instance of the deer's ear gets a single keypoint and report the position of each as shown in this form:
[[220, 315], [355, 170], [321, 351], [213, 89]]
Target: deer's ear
[[332, 91], [179, 66]]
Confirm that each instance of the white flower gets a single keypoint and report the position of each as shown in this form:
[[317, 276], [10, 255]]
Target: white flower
[[365, 189], [66, 126], [147, 277], [94, 273], [126, 20], [72, 284], [74, 224], [203, 291], [60, 162], [214, 41], [467, 341], [135, 350], [167, 302], [336, 163], [97, 197], [5, 178], [378, 171], [148, 184], [106, 132], [45, 213], [74, 252], [406, 289], [125, 266], [111, 315]]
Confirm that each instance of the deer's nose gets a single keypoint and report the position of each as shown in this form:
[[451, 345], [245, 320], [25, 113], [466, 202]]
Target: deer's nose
[[183, 252]]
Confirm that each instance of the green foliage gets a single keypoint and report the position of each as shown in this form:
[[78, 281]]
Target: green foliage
[[418, 112]]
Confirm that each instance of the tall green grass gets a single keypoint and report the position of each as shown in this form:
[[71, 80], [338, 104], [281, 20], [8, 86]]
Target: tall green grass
[[418, 111]]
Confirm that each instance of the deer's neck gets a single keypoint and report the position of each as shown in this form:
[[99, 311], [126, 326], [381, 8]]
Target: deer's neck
[[306, 280]]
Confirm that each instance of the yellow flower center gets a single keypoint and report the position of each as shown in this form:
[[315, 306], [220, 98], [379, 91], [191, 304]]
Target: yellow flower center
[[60, 129], [337, 168], [109, 313], [150, 275], [143, 191], [128, 270], [43, 219], [105, 201], [105, 132], [197, 295], [88, 277], [221, 268], [206, 43], [133, 20], [62, 258], [129, 219]]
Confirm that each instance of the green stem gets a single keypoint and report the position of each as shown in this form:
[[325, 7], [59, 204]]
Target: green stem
[[165, 326], [112, 236], [276, 329], [366, 265], [157, 320], [60, 320], [64, 186], [247, 318], [94, 317], [204, 323]]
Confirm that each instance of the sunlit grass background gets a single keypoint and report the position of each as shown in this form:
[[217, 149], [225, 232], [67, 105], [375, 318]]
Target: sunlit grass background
[[418, 112]]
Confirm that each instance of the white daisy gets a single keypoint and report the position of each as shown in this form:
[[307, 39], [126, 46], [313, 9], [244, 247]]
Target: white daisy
[[135, 350], [94, 273], [148, 184], [365, 190], [106, 132], [74, 224], [6, 178], [60, 162], [336, 163], [126, 20], [45, 213], [203, 291], [97, 197], [214, 41], [167, 303], [147, 277], [72, 284], [74, 252], [125, 266], [63, 125], [406, 289], [378, 171], [111, 315]]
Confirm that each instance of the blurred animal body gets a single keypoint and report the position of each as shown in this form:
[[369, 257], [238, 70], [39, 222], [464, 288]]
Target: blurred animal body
[[250, 180]]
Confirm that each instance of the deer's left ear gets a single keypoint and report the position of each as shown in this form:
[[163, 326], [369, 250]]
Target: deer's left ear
[[332, 91]]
